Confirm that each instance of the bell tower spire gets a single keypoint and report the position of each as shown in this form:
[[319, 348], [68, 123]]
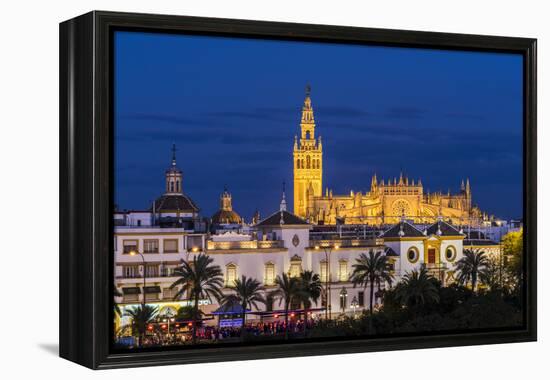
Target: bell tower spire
[[173, 176], [308, 159]]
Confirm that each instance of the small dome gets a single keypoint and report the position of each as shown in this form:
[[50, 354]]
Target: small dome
[[226, 217], [175, 203]]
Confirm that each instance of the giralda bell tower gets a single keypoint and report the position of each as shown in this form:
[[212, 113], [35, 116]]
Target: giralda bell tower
[[308, 160]]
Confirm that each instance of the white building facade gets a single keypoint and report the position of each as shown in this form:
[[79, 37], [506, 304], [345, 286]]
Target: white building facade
[[150, 244]]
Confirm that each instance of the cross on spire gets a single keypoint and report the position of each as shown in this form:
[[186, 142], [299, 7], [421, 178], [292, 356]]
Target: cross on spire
[[308, 89], [174, 154]]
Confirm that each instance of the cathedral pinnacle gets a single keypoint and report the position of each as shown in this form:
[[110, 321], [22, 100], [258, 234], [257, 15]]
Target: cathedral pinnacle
[[283, 200]]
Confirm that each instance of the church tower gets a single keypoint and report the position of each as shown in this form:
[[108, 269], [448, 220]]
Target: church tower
[[173, 176], [308, 160]]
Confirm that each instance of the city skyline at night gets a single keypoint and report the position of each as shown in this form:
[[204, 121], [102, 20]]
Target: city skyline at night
[[438, 116]]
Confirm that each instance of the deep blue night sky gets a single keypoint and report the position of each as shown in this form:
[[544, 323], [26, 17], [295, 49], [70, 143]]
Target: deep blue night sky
[[232, 106]]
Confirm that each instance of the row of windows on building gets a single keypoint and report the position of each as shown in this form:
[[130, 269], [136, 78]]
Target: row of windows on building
[[152, 293], [155, 293], [174, 186], [308, 163], [151, 270], [407, 191], [153, 245], [231, 271], [295, 269]]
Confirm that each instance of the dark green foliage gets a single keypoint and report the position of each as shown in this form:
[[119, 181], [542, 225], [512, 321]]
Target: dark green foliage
[[470, 267], [289, 289], [247, 292], [141, 316], [370, 270], [417, 289], [199, 279], [456, 308]]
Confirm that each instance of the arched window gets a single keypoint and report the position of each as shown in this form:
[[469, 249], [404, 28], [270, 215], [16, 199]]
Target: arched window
[[269, 275], [343, 270], [230, 274], [308, 162], [171, 186], [178, 186], [298, 164], [295, 266], [307, 135], [323, 271]]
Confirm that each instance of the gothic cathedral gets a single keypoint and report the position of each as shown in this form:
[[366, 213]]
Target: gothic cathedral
[[386, 202]]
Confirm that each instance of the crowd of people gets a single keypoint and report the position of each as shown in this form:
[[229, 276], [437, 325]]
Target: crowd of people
[[216, 334]]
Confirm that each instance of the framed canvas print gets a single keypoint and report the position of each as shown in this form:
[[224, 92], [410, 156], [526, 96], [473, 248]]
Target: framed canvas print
[[238, 189]]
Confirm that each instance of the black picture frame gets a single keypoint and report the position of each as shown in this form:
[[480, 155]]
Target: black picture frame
[[86, 184]]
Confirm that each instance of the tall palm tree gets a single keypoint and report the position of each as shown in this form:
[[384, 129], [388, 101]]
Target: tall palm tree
[[311, 291], [117, 293], [199, 279], [470, 266], [369, 270], [141, 316], [418, 287], [187, 313], [288, 291], [247, 292]]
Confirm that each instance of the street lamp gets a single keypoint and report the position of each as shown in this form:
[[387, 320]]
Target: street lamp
[[168, 316], [343, 298], [133, 253], [354, 305], [167, 321], [328, 251]]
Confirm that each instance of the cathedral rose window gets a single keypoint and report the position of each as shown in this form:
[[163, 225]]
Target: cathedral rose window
[[401, 208]]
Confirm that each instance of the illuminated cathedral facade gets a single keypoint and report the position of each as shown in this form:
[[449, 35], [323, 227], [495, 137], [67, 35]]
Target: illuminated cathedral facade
[[386, 202]]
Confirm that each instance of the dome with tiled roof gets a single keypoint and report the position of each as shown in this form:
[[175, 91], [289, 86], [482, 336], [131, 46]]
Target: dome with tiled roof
[[174, 200], [175, 203], [226, 214]]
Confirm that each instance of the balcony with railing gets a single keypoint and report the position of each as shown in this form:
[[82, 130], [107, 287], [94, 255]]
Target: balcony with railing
[[344, 243], [435, 266], [244, 245]]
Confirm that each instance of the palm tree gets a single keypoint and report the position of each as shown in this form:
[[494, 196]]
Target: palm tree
[[311, 291], [470, 266], [288, 291], [370, 270], [117, 310], [418, 287], [247, 292], [493, 275], [187, 313], [141, 316], [199, 279]]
